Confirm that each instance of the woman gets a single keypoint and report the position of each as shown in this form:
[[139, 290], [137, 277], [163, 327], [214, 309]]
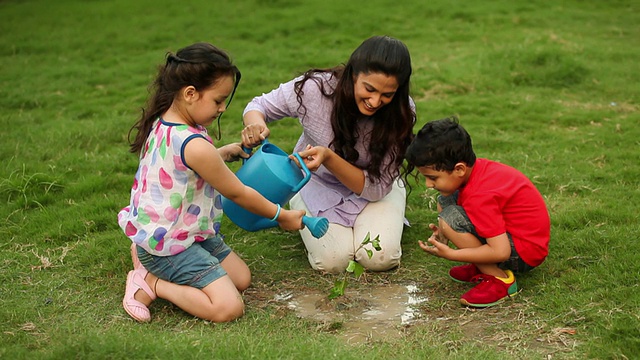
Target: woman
[[357, 122]]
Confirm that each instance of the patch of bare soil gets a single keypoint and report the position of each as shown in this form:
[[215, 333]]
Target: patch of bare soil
[[381, 312]]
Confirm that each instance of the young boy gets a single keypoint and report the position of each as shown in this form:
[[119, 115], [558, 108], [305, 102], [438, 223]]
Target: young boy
[[491, 212]]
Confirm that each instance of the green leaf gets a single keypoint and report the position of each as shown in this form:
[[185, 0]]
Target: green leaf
[[369, 252], [358, 271], [338, 288], [352, 265], [376, 243], [366, 239]]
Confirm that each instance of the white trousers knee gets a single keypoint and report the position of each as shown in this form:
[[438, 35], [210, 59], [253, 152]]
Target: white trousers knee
[[332, 252]]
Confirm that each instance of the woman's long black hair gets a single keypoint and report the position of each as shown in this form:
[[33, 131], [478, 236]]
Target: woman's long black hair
[[393, 123]]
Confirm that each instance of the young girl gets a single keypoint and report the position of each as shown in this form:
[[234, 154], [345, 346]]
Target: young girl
[[174, 215], [357, 121]]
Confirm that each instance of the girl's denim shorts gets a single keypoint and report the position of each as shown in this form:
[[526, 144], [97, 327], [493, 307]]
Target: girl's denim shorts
[[198, 266]]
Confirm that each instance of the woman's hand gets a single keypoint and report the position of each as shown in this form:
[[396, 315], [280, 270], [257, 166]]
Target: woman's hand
[[313, 156], [232, 152], [254, 134], [348, 174]]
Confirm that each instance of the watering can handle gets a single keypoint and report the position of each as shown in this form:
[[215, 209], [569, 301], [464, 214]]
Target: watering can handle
[[305, 169], [307, 174], [250, 150]]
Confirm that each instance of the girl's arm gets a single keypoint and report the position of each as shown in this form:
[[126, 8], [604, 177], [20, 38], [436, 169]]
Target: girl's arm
[[201, 156], [232, 152]]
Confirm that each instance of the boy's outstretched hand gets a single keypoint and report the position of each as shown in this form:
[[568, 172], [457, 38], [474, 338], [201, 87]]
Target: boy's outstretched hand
[[436, 245]]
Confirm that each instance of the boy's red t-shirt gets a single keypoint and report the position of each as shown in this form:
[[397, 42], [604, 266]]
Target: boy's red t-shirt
[[498, 199]]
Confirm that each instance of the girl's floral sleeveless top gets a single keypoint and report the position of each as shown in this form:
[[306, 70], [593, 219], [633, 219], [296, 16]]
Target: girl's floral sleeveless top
[[171, 206]]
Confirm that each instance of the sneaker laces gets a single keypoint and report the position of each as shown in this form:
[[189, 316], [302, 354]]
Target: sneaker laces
[[486, 279], [480, 278]]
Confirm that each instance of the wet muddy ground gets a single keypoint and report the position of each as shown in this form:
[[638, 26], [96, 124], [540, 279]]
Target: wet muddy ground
[[380, 311], [390, 311]]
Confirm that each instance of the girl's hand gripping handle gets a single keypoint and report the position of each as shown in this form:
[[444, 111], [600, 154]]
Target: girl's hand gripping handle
[[290, 219]]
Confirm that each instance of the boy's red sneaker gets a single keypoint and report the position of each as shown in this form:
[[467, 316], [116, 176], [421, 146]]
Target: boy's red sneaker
[[490, 291], [464, 273]]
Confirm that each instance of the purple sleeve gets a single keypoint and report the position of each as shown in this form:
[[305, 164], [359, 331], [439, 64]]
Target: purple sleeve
[[324, 192], [376, 191], [276, 104]]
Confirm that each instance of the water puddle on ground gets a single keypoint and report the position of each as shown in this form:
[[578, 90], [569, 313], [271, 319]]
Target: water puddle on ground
[[375, 312]]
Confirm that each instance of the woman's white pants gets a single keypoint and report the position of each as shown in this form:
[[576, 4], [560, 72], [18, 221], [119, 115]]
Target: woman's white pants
[[332, 252]]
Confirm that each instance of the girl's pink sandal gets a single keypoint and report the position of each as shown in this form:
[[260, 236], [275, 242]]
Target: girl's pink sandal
[[133, 307]]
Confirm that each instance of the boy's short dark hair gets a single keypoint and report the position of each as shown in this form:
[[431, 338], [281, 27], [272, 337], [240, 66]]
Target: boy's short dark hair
[[442, 144]]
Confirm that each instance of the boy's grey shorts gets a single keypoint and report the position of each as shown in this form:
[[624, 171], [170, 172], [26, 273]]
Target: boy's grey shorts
[[456, 217]]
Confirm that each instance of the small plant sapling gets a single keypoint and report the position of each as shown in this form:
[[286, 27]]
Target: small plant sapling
[[354, 267]]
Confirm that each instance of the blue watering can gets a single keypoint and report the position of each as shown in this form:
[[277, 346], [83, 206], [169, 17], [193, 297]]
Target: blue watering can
[[273, 174]]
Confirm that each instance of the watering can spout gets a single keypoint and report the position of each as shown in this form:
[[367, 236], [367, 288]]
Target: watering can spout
[[318, 226]]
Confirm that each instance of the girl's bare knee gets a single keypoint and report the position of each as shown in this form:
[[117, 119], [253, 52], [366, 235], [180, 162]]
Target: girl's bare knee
[[226, 313], [243, 283]]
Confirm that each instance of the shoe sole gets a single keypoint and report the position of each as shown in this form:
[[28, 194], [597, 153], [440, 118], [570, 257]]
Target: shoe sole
[[461, 281]]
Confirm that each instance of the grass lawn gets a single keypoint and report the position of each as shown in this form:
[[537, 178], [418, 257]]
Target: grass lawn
[[548, 87]]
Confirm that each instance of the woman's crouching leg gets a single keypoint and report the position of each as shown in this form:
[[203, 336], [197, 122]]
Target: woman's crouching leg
[[332, 252], [385, 219]]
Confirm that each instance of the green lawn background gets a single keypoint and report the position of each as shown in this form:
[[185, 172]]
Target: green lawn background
[[550, 88]]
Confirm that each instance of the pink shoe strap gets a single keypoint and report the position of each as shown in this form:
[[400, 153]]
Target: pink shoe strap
[[142, 284]]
